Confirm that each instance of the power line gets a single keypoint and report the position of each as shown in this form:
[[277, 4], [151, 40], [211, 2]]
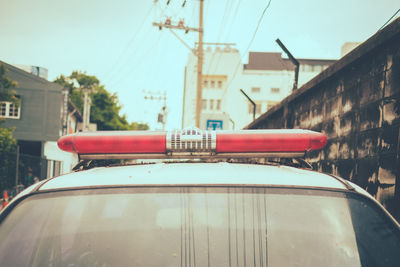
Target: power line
[[228, 33], [133, 38], [383, 26], [213, 54], [137, 64], [248, 47], [128, 61], [258, 25], [233, 20]]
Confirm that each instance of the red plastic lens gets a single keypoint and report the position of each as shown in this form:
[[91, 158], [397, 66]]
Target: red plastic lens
[[269, 141], [146, 142], [112, 142]]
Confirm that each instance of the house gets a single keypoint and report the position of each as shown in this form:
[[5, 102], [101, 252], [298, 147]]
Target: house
[[38, 123]]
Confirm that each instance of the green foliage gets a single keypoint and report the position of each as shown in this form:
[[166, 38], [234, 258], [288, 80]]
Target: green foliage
[[8, 145], [7, 92], [105, 108], [139, 126], [8, 148], [84, 80], [7, 142]]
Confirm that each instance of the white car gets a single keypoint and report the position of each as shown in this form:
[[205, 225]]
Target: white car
[[208, 204]]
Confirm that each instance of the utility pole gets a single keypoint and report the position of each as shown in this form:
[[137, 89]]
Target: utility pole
[[17, 168], [65, 93], [180, 26], [86, 109], [199, 90], [161, 118]]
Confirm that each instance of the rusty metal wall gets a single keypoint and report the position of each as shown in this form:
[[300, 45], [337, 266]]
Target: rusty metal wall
[[356, 102]]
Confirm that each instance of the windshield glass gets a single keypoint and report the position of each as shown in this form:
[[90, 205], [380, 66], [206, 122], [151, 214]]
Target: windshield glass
[[198, 226]]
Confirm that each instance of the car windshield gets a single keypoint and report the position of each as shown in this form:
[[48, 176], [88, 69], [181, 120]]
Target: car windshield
[[198, 226]]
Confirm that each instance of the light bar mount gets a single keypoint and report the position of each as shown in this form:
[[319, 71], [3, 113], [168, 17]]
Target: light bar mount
[[191, 141]]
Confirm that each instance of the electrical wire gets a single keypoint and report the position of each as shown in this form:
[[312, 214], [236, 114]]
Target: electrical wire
[[126, 66], [130, 42], [248, 47], [228, 33], [126, 74], [383, 26], [213, 54], [233, 19], [258, 25]]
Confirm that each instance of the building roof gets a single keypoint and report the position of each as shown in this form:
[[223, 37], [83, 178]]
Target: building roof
[[274, 61], [27, 80], [381, 38], [75, 110]]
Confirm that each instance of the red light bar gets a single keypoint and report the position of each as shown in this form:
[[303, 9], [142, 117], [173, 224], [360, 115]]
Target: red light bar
[[269, 141], [191, 143], [114, 142]]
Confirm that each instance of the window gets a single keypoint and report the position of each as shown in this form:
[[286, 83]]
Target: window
[[211, 104], [302, 227], [3, 109], [250, 108], [204, 104], [256, 90], [307, 68], [258, 108], [219, 84], [317, 68], [275, 90], [212, 84], [10, 110], [218, 107], [205, 83]]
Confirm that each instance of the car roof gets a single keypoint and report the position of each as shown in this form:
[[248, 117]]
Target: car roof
[[221, 173]]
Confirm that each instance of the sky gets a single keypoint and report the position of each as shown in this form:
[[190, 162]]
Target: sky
[[116, 41]]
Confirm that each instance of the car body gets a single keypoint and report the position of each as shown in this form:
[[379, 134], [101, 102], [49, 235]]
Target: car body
[[197, 212]]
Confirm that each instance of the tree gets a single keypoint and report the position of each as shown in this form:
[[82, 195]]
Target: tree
[[105, 108], [7, 92], [8, 149], [8, 145], [7, 142]]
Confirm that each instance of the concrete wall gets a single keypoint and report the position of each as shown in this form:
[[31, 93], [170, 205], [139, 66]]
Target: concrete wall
[[356, 103]]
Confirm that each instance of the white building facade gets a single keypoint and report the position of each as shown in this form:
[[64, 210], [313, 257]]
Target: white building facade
[[266, 79]]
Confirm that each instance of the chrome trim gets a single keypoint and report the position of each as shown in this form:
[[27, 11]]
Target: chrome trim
[[191, 155], [191, 140]]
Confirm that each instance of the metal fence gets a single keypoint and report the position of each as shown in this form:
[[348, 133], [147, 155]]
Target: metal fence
[[15, 178]]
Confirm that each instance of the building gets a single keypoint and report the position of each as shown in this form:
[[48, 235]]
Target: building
[[266, 79], [35, 70], [348, 47], [38, 124]]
